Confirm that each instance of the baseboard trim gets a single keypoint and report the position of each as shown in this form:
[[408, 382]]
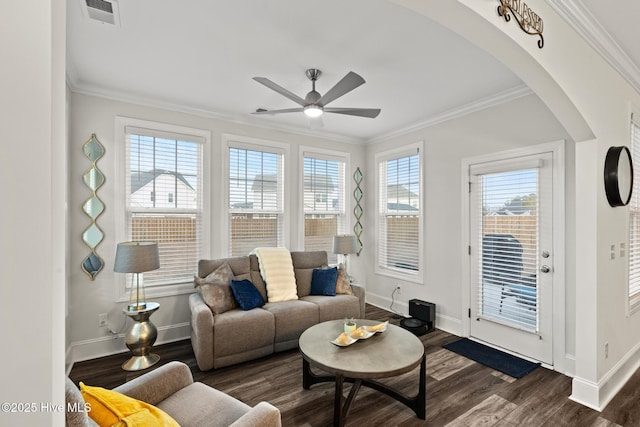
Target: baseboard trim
[[443, 322], [107, 346], [598, 395]]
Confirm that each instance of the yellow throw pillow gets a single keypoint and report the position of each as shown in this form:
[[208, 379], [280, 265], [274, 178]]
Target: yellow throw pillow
[[110, 408]]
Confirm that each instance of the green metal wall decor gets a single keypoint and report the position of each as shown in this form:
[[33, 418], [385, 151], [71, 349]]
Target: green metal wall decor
[[357, 211], [93, 207]]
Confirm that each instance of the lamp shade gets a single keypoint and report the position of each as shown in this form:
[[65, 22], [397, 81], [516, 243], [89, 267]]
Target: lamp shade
[[136, 257], [345, 244]]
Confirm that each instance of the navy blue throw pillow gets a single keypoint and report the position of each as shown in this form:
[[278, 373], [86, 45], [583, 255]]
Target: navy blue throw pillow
[[246, 294], [323, 281]]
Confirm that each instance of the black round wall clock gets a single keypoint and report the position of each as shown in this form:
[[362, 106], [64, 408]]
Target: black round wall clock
[[618, 176]]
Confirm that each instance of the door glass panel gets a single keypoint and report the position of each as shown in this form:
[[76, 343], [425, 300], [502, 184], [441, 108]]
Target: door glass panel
[[509, 243]]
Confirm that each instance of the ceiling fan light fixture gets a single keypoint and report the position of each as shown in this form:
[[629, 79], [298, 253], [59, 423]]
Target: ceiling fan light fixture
[[313, 111]]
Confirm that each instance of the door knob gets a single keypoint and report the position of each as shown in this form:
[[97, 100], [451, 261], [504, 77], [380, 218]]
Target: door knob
[[545, 269]]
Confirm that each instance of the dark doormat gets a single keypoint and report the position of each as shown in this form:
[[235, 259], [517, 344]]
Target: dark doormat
[[496, 359]]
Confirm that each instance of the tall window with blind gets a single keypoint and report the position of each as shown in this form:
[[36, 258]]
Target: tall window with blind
[[399, 213], [164, 200], [256, 194], [324, 200], [634, 219]]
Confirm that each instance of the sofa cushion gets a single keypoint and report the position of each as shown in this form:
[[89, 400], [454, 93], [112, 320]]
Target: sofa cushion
[[276, 268], [201, 405], [292, 318], [303, 264], [238, 331], [256, 277], [337, 307], [246, 295], [215, 289], [110, 408], [240, 266], [323, 281], [343, 286]]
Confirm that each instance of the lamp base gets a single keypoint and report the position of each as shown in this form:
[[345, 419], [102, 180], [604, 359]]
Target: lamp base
[[140, 338], [137, 363]]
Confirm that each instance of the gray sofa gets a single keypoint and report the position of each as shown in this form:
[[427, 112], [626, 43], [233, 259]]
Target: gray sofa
[[171, 388], [236, 335]]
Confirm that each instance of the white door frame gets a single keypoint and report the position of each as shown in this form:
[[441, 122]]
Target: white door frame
[[558, 292]]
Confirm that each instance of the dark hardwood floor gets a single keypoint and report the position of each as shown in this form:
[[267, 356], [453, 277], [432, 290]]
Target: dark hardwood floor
[[460, 392]]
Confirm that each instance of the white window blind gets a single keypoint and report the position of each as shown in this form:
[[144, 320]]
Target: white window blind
[[399, 217], [509, 244], [634, 217], [164, 200], [256, 190], [324, 200]]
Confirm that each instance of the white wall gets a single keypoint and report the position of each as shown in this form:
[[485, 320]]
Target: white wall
[[87, 298], [522, 122], [592, 102], [32, 116]]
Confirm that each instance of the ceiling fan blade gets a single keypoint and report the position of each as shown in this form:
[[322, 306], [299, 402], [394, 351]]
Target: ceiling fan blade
[[344, 86], [361, 112], [272, 112], [282, 91]]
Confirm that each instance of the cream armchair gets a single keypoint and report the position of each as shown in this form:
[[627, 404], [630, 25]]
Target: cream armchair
[[172, 389]]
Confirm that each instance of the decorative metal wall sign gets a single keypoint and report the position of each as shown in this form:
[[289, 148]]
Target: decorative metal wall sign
[[357, 211], [93, 207], [528, 20]]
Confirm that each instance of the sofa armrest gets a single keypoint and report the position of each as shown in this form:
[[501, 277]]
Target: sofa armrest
[[359, 291], [201, 331], [262, 415], [157, 385]]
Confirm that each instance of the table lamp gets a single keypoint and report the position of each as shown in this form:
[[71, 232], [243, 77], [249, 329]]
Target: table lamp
[[345, 244], [136, 257]]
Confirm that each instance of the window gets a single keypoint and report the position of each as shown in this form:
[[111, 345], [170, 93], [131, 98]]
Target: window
[[163, 198], [634, 219], [256, 198], [399, 225], [324, 202]]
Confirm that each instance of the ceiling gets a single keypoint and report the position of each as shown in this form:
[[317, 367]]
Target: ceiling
[[200, 56]]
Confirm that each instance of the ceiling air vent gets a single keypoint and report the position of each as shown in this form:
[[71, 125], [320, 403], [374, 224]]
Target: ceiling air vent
[[103, 11]]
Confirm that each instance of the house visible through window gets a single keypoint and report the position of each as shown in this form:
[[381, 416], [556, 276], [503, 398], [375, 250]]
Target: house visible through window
[[324, 200], [256, 193], [634, 218], [399, 212], [164, 200]]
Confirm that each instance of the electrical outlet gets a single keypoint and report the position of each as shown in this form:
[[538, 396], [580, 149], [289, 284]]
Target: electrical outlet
[[606, 350], [102, 320]]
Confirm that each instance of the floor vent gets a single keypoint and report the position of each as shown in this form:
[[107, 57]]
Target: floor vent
[[103, 11]]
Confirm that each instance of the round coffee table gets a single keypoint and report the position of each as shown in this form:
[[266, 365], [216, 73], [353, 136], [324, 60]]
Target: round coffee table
[[386, 354]]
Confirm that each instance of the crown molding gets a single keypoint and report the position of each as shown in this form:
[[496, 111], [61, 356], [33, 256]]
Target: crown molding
[[90, 90], [590, 29], [460, 111], [455, 113]]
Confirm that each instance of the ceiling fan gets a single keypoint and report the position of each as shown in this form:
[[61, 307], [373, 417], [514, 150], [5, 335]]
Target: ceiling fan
[[314, 104]]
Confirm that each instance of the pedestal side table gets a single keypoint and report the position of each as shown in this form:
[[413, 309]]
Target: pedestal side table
[[141, 337]]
